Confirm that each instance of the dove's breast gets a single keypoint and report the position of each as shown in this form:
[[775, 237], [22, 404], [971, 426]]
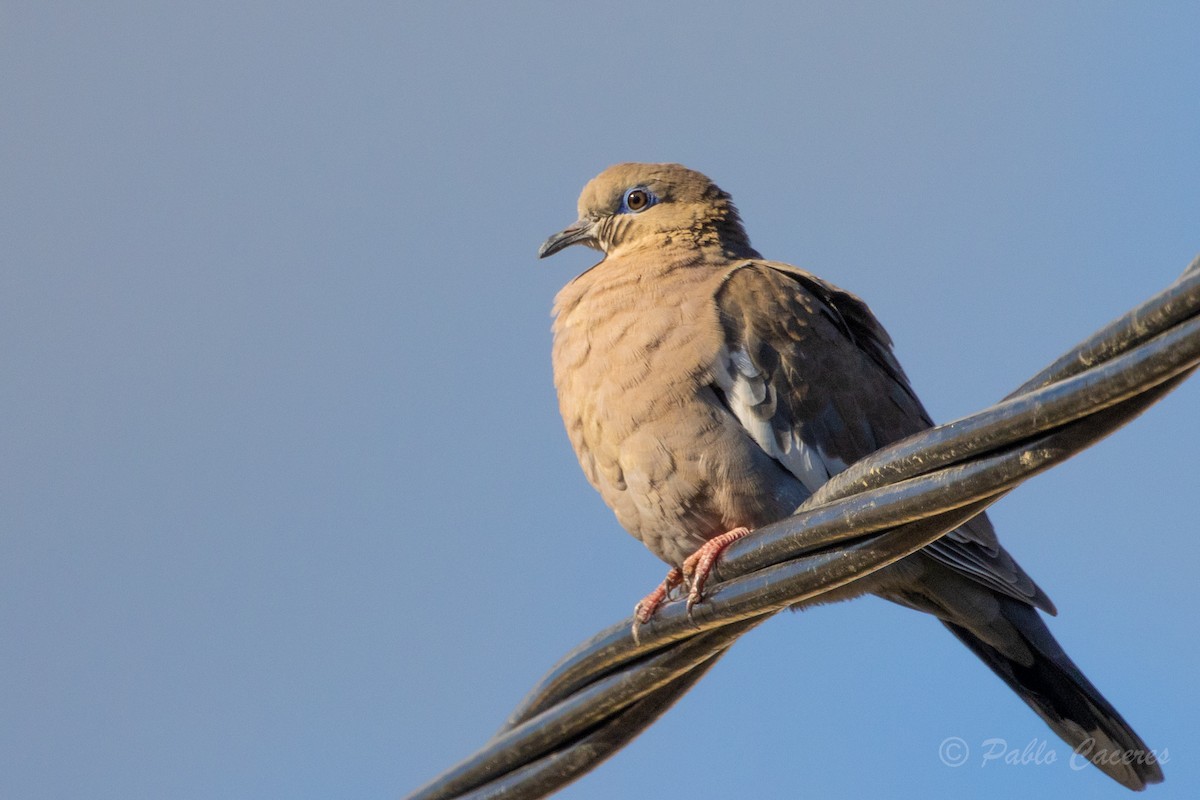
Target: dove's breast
[[634, 371]]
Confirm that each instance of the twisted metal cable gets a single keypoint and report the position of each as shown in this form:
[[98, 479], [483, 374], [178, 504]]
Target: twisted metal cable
[[879, 510]]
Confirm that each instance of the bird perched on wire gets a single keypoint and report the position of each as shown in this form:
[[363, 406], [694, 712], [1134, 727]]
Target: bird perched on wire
[[708, 391]]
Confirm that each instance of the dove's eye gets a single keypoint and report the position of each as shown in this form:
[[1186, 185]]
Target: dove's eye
[[636, 200]]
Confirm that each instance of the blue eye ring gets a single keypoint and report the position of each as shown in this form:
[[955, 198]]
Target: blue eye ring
[[636, 200]]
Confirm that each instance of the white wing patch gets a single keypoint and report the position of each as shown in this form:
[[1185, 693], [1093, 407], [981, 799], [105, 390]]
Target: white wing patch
[[752, 400]]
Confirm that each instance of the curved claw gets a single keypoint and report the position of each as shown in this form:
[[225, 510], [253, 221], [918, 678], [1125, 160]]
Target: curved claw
[[646, 607]]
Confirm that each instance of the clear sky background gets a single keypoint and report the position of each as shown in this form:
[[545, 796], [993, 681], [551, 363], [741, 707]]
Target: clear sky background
[[286, 508]]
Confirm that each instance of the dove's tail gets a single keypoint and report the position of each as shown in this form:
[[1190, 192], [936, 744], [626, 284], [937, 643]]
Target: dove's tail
[[1019, 648]]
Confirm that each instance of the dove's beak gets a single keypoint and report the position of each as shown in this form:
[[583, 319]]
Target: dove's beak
[[579, 232]]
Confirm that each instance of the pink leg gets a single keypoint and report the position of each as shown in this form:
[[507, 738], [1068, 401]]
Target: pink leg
[[646, 607], [695, 572], [700, 563]]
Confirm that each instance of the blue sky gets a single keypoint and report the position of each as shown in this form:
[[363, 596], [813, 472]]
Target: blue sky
[[286, 509]]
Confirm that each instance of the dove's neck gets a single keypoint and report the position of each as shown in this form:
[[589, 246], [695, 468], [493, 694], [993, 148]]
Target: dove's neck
[[701, 244]]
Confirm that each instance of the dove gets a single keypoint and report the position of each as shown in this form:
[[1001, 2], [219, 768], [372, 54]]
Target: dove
[[707, 391]]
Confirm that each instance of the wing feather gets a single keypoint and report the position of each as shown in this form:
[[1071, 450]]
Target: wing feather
[[810, 374]]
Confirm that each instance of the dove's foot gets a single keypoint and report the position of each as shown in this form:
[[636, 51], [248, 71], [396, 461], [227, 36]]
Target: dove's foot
[[646, 607], [694, 573], [700, 563]]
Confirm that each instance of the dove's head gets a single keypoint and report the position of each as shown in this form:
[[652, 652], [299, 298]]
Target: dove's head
[[632, 206]]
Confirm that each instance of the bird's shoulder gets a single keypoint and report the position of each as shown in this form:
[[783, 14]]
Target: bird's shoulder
[[777, 304]]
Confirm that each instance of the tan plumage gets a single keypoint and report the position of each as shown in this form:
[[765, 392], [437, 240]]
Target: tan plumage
[[705, 389]]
